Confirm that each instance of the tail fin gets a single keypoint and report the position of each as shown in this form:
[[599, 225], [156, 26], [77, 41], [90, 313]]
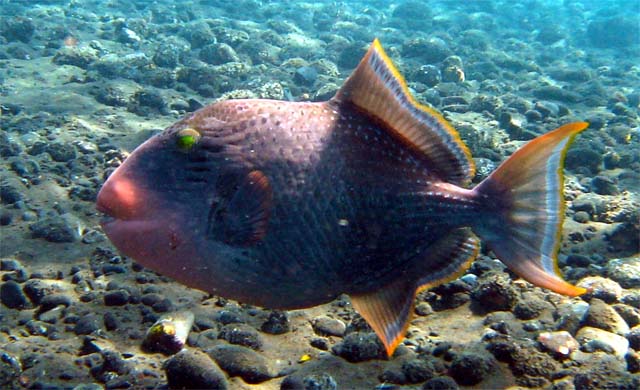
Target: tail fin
[[525, 194]]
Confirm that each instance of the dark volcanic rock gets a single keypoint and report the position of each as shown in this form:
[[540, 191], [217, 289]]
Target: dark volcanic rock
[[53, 229], [193, 370], [240, 361], [61, 152], [616, 31], [12, 296], [495, 292], [241, 334], [359, 347], [276, 323], [469, 368], [17, 28], [87, 324]]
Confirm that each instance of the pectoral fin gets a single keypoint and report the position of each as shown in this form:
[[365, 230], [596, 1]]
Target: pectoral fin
[[241, 216]]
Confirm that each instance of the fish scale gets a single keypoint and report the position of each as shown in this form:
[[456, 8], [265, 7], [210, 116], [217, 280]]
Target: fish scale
[[290, 204]]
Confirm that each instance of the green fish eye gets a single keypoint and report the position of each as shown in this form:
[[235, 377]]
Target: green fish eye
[[187, 138]]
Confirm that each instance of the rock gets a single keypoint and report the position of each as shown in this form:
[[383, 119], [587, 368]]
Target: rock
[[319, 382], [17, 28], [601, 288], [429, 75], [560, 343], [193, 370], [12, 296], [61, 152], [54, 229], [276, 323], [218, 53], [52, 301], [589, 337], [305, 75], [418, 370], [360, 347], [625, 271], [581, 217], [633, 362], [603, 316], [116, 298], [469, 369], [495, 292], [241, 334], [582, 157], [87, 324], [327, 326], [80, 56], [634, 338], [11, 192], [615, 31], [630, 314], [430, 51], [604, 372], [241, 361], [440, 383], [10, 369], [604, 185], [552, 92], [530, 306]]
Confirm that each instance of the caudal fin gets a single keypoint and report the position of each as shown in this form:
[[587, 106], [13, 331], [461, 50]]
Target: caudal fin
[[525, 197]]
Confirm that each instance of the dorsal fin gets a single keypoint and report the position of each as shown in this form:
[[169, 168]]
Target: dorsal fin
[[377, 88]]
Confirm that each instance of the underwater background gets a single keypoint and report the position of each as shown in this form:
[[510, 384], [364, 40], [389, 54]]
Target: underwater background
[[82, 83]]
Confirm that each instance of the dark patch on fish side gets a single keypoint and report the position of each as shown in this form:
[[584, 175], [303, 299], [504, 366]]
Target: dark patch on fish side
[[240, 215]]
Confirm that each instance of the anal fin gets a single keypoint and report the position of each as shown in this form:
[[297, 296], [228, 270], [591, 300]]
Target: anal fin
[[387, 311], [390, 310]]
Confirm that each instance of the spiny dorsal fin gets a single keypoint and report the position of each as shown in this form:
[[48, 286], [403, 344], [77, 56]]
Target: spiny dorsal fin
[[389, 310], [377, 88]]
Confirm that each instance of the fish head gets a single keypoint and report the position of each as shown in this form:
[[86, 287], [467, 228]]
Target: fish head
[[152, 205]]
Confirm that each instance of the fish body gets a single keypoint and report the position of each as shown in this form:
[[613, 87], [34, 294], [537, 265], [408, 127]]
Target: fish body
[[290, 204]]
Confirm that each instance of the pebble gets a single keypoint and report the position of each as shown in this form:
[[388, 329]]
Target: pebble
[[440, 383], [241, 361], [494, 292], [276, 323], [603, 316], [634, 337], [327, 326], [53, 229], [359, 347], [630, 314], [116, 298], [37, 289], [588, 335], [10, 369], [319, 382], [61, 152], [601, 288], [417, 370], [530, 306], [625, 271], [241, 334], [54, 300], [87, 324], [12, 296], [193, 370], [469, 369], [560, 342], [603, 185]]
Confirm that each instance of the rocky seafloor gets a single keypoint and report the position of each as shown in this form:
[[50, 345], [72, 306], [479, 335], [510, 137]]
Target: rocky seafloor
[[83, 82]]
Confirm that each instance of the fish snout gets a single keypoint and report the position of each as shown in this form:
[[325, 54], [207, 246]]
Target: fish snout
[[120, 198]]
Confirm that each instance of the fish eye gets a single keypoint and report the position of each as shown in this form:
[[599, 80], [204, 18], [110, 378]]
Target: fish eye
[[187, 138]]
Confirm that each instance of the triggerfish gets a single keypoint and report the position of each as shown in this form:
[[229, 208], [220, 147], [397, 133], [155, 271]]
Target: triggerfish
[[287, 205]]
